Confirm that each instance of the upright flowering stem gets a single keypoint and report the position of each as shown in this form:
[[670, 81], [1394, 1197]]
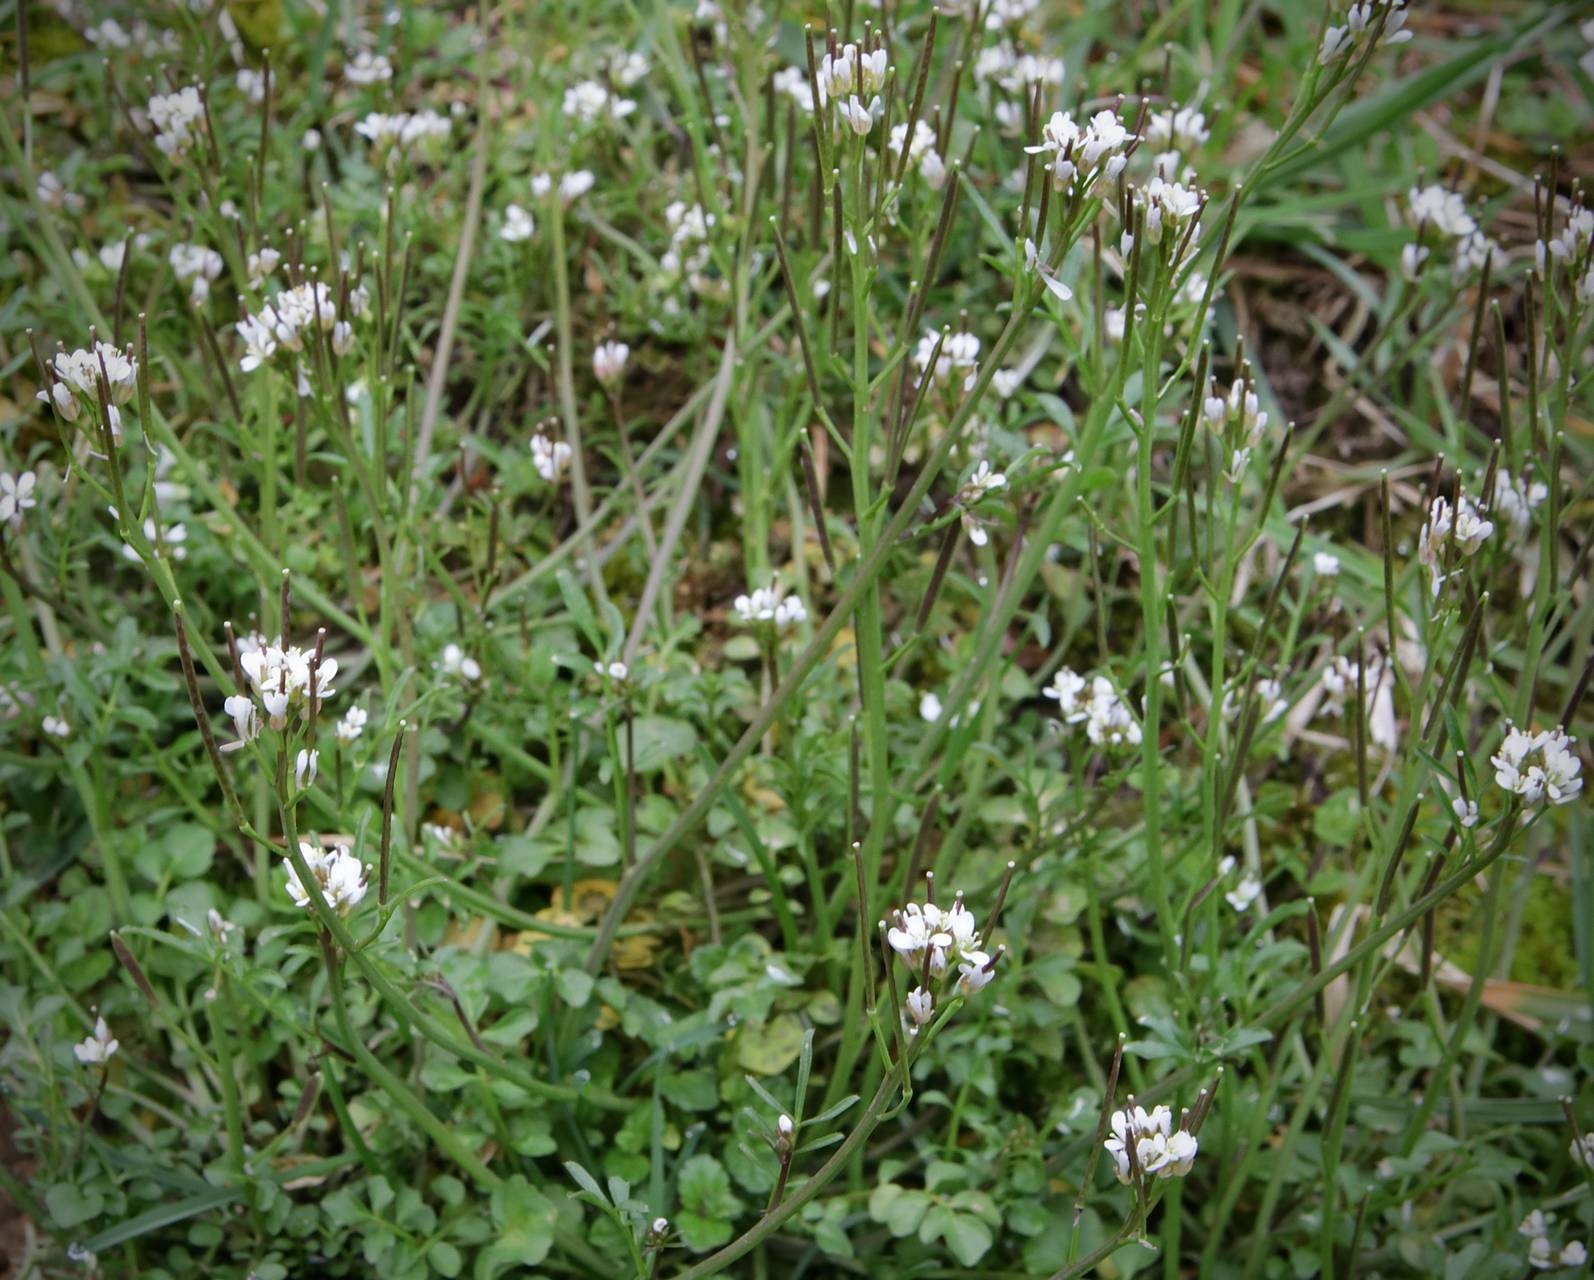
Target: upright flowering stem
[[1151, 606]]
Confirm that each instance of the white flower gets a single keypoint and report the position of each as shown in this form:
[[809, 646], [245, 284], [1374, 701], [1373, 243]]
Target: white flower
[[1034, 262], [1538, 767], [245, 719], [589, 101], [615, 671], [365, 68], [975, 971], [1541, 1253], [407, 129], [661, 1226], [572, 186], [304, 768], [52, 192], [1339, 681], [1158, 1150], [261, 264], [1325, 565], [1516, 500], [1574, 1254], [164, 540], [793, 82], [251, 83], [1179, 129], [198, 264], [1245, 893], [311, 141], [1004, 382], [1534, 1224], [1466, 811], [453, 661], [1336, 40], [784, 1126], [97, 1048], [1443, 210], [281, 678], [859, 118], [609, 360], [340, 876], [770, 604], [518, 225], [352, 725], [56, 726], [550, 457], [1097, 705], [921, 1008], [1582, 1150], [959, 351], [176, 118], [16, 496], [627, 68], [929, 708]]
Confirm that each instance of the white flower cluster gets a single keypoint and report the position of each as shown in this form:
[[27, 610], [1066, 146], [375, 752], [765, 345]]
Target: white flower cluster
[[550, 457], [1539, 767], [77, 380], [930, 940], [459, 665], [1445, 211], [609, 360], [98, 1047], [341, 877], [518, 225], [849, 71], [1568, 247], [164, 539], [1144, 1144], [689, 227], [280, 676], [1542, 1253], [352, 725], [1170, 207], [53, 193], [985, 480], [1238, 419], [407, 129], [922, 154], [1000, 14], [961, 350], [1463, 527], [176, 118], [198, 265], [1269, 695], [16, 496], [1082, 156], [364, 67], [770, 605], [572, 185], [793, 82], [1339, 681], [1180, 129], [1097, 705], [1014, 72], [590, 101], [1515, 500], [111, 34], [1359, 20], [295, 314]]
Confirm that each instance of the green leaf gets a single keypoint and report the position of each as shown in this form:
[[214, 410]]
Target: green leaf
[[71, 1207], [692, 1090], [705, 1188], [525, 1221], [700, 1233], [445, 1258], [967, 1236], [574, 986], [770, 1049]]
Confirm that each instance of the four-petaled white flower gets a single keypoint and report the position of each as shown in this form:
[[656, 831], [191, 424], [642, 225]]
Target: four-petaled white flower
[[339, 875], [98, 1047], [16, 496], [1466, 811], [352, 725]]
